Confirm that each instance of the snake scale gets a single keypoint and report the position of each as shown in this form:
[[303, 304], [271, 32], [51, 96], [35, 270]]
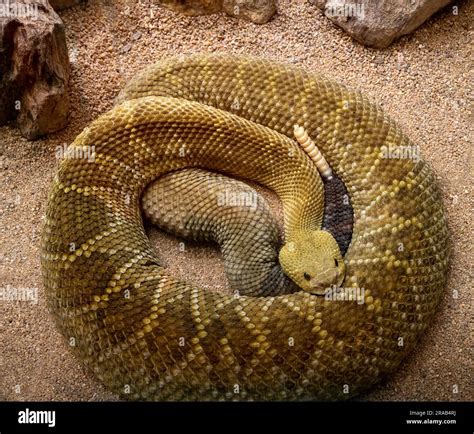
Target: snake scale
[[149, 336]]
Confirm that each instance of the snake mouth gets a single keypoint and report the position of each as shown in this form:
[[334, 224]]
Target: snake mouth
[[319, 292], [323, 286], [319, 289]]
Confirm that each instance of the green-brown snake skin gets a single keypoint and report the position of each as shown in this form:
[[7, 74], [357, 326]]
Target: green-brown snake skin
[[244, 228], [149, 336]]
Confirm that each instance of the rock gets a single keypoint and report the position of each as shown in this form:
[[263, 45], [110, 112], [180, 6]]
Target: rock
[[59, 5], [136, 36], [125, 49], [34, 68], [257, 11], [377, 23]]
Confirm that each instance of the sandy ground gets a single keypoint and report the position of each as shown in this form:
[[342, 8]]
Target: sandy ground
[[423, 81]]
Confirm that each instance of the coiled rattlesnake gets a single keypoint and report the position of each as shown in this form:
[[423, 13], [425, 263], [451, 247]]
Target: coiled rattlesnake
[[147, 335]]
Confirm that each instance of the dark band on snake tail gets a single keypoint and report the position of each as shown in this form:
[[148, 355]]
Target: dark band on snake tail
[[338, 213]]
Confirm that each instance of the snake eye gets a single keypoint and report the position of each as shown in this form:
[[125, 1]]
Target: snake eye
[[307, 276], [336, 262]]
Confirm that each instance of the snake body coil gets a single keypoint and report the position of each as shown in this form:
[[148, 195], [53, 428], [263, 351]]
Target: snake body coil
[[147, 335]]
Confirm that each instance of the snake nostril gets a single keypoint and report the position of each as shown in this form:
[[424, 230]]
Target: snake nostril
[[336, 262], [307, 276]]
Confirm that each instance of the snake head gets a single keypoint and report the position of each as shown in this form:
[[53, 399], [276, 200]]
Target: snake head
[[312, 259]]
